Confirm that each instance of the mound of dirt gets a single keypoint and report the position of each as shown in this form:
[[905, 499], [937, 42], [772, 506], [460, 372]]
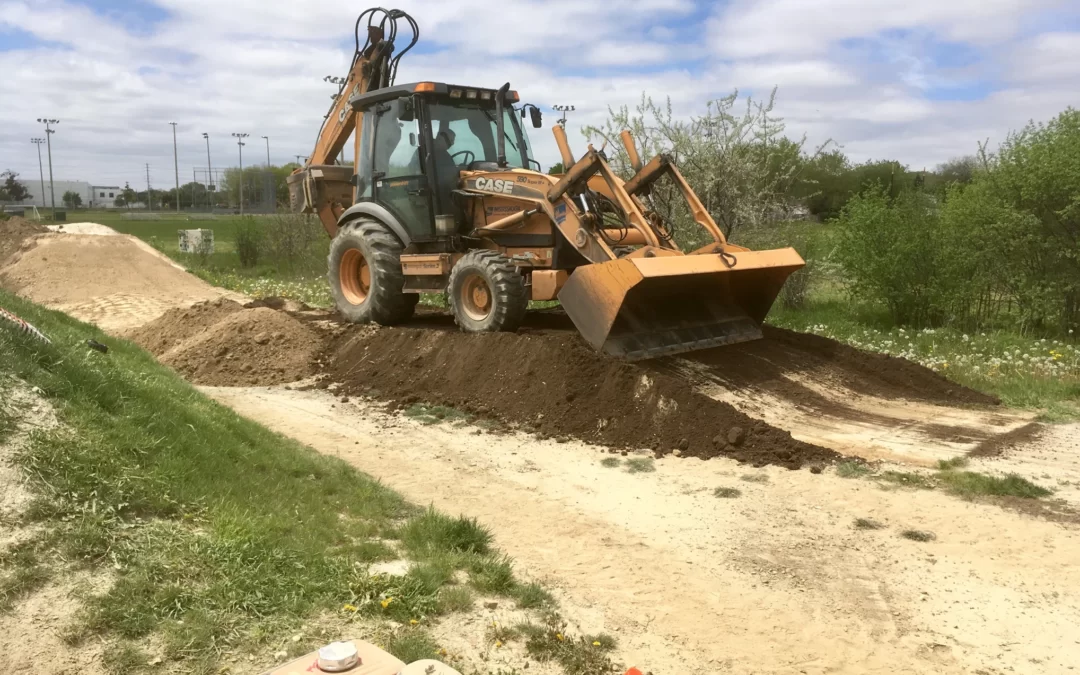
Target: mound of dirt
[[117, 281], [14, 232], [553, 384], [221, 344]]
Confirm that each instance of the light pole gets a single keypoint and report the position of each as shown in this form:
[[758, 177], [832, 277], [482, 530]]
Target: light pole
[[300, 159], [176, 166], [48, 144], [209, 175], [563, 109], [267, 139], [41, 172], [240, 147]]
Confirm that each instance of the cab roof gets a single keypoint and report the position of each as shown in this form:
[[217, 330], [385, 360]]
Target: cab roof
[[368, 99]]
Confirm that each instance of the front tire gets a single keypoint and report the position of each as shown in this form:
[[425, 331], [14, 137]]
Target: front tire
[[487, 293], [365, 275]]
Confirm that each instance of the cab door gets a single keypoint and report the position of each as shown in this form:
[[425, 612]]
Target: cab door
[[398, 179]]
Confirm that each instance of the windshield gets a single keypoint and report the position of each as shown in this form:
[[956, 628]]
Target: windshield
[[468, 133]]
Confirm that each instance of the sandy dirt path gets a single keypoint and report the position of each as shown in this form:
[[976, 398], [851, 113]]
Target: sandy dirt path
[[775, 581]]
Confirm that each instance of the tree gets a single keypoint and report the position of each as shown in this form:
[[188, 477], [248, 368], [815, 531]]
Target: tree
[[958, 170], [127, 195], [72, 199], [12, 189], [738, 161], [557, 169]]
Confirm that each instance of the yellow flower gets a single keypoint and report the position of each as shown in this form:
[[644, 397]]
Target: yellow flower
[[498, 643], [349, 608], [559, 637], [413, 622], [595, 644], [386, 603], [442, 652]]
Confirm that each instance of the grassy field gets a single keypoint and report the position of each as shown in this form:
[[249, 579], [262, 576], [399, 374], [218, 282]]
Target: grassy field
[[1026, 372], [218, 538]]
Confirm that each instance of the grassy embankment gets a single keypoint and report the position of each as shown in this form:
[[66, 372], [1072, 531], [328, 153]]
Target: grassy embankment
[[215, 539]]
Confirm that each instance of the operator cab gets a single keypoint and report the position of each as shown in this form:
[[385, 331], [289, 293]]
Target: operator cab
[[415, 139]]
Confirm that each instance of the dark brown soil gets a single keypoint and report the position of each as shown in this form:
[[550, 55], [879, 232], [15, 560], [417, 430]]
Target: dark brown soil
[[14, 232], [998, 445], [550, 382], [768, 365], [222, 344]]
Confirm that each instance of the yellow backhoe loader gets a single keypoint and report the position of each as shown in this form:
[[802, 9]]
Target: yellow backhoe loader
[[445, 196]]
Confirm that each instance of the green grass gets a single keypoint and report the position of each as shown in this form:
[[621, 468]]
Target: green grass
[[531, 596], [455, 599], [412, 644], [610, 462], [582, 655], [867, 524], [957, 462], [754, 478], [970, 484], [853, 469], [727, 493], [918, 535], [907, 479], [219, 534], [640, 465], [433, 414]]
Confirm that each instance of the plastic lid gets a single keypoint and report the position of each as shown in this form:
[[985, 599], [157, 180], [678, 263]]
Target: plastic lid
[[338, 657]]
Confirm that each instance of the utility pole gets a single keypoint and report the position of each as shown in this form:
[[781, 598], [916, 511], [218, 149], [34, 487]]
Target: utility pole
[[209, 174], [41, 171], [149, 194], [240, 146], [193, 181], [48, 144], [176, 166], [299, 158], [267, 139]]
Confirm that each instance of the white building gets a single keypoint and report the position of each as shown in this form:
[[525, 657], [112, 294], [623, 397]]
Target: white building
[[41, 198], [103, 196]]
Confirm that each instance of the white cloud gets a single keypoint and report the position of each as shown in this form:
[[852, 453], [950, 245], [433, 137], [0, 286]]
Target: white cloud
[[257, 66]]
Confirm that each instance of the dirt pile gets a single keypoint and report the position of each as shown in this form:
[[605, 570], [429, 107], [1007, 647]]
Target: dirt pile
[[551, 383], [222, 344], [14, 233], [116, 281]]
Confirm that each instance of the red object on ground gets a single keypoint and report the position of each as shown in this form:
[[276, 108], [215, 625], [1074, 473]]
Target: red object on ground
[[633, 671]]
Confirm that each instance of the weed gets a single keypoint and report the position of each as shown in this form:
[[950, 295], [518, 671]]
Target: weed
[[755, 477], [610, 462], [433, 414], [907, 479], [433, 532], [727, 493], [20, 582], [970, 484], [867, 524], [455, 599], [957, 462], [412, 644], [531, 596], [918, 535], [492, 574], [582, 655], [249, 241], [640, 465], [853, 469], [124, 658]]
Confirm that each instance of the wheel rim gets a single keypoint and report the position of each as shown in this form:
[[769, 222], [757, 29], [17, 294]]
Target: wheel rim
[[355, 276], [475, 297]]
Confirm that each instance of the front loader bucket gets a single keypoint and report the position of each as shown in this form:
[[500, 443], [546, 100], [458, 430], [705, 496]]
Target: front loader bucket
[[639, 308]]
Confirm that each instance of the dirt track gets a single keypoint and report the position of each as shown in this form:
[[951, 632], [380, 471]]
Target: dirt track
[[775, 581]]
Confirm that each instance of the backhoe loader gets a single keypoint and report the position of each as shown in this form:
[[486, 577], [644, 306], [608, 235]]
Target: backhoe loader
[[445, 196]]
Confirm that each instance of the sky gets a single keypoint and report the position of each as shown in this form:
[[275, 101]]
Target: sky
[[919, 81]]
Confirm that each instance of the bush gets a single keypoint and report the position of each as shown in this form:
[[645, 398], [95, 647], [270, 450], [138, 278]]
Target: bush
[[296, 241], [249, 240]]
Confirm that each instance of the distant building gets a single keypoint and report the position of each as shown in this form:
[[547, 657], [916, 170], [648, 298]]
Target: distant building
[[104, 196], [81, 188]]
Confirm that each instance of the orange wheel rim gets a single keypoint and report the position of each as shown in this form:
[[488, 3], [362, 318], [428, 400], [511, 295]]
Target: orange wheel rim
[[475, 298], [355, 276]]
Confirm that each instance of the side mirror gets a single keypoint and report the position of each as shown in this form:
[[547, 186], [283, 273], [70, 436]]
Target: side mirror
[[412, 139], [537, 117]]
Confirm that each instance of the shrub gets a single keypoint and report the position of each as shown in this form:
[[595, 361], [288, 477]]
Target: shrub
[[249, 238], [296, 241]]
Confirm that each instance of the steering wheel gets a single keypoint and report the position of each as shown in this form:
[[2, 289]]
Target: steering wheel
[[472, 157]]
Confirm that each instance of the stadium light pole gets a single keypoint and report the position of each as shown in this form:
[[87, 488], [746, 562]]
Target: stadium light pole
[[563, 109], [41, 171], [49, 131], [209, 175], [240, 146], [267, 139], [176, 166]]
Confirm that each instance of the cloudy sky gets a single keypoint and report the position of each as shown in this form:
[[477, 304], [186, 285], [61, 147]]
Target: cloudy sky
[[915, 80]]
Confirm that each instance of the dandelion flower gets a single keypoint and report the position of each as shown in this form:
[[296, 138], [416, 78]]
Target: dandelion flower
[[596, 643], [559, 637], [386, 603], [413, 622], [498, 643], [349, 608]]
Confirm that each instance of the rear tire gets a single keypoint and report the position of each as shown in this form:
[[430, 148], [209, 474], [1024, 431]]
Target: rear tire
[[365, 275], [487, 293]]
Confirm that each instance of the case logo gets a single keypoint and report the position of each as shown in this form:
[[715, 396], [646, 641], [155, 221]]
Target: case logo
[[495, 185]]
